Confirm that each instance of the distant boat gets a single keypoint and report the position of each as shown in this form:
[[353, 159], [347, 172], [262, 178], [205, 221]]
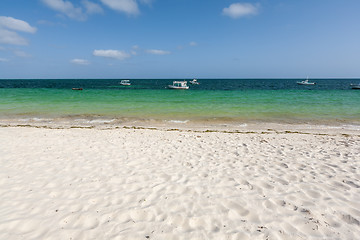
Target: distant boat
[[77, 89], [355, 86], [194, 82], [125, 82], [306, 82], [179, 85]]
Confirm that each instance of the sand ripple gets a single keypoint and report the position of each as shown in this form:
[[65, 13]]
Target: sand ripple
[[151, 184]]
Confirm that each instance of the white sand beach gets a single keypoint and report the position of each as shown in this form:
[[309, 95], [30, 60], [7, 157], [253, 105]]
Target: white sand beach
[[178, 184]]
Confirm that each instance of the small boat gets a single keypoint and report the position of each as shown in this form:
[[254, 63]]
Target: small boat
[[194, 82], [125, 82], [355, 86], [179, 85], [306, 82], [79, 89]]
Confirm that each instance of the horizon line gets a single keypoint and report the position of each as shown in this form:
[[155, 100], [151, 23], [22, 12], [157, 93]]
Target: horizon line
[[217, 78]]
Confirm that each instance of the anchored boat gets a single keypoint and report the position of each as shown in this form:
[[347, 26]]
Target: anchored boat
[[306, 82], [194, 82], [179, 85], [355, 86], [125, 82]]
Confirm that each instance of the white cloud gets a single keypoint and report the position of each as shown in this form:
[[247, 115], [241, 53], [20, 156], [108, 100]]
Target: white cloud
[[92, 8], [157, 52], [121, 55], [134, 50], [67, 8], [8, 28], [80, 61], [127, 6], [193, 44], [10, 37], [237, 10], [77, 13], [16, 24], [3, 60], [21, 54]]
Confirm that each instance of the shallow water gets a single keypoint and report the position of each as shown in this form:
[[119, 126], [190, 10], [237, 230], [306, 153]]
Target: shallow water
[[224, 100]]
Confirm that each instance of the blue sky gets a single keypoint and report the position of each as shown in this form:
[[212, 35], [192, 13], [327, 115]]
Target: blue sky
[[179, 38]]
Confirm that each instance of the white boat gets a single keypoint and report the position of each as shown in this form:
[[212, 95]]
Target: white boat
[[355, 86], [179, 85], [306, 82], [125, 82], [194, 82]]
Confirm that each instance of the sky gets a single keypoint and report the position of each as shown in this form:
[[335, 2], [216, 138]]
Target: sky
[[179, 39]]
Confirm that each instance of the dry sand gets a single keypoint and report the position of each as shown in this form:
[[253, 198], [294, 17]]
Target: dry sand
[[158, 184]]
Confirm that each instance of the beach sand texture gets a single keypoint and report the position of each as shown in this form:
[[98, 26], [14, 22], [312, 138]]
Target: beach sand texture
[[158, 184]]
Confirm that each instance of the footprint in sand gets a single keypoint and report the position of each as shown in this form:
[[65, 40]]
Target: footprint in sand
[[313, 194], [236, 211], [350, 219], [23, 226], [140, 215]]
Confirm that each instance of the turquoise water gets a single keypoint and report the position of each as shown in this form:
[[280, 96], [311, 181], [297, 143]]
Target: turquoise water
[[331, 100]]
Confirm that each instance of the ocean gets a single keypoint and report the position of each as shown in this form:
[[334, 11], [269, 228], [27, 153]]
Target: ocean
[[330, 101]]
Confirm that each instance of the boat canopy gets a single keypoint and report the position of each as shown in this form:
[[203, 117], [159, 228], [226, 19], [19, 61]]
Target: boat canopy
[[180, 83]]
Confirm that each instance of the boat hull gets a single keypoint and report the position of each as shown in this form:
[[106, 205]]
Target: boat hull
[[174, 87], [306, 83]]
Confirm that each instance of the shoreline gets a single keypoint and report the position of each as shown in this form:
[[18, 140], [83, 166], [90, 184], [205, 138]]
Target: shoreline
[[320, 127]]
